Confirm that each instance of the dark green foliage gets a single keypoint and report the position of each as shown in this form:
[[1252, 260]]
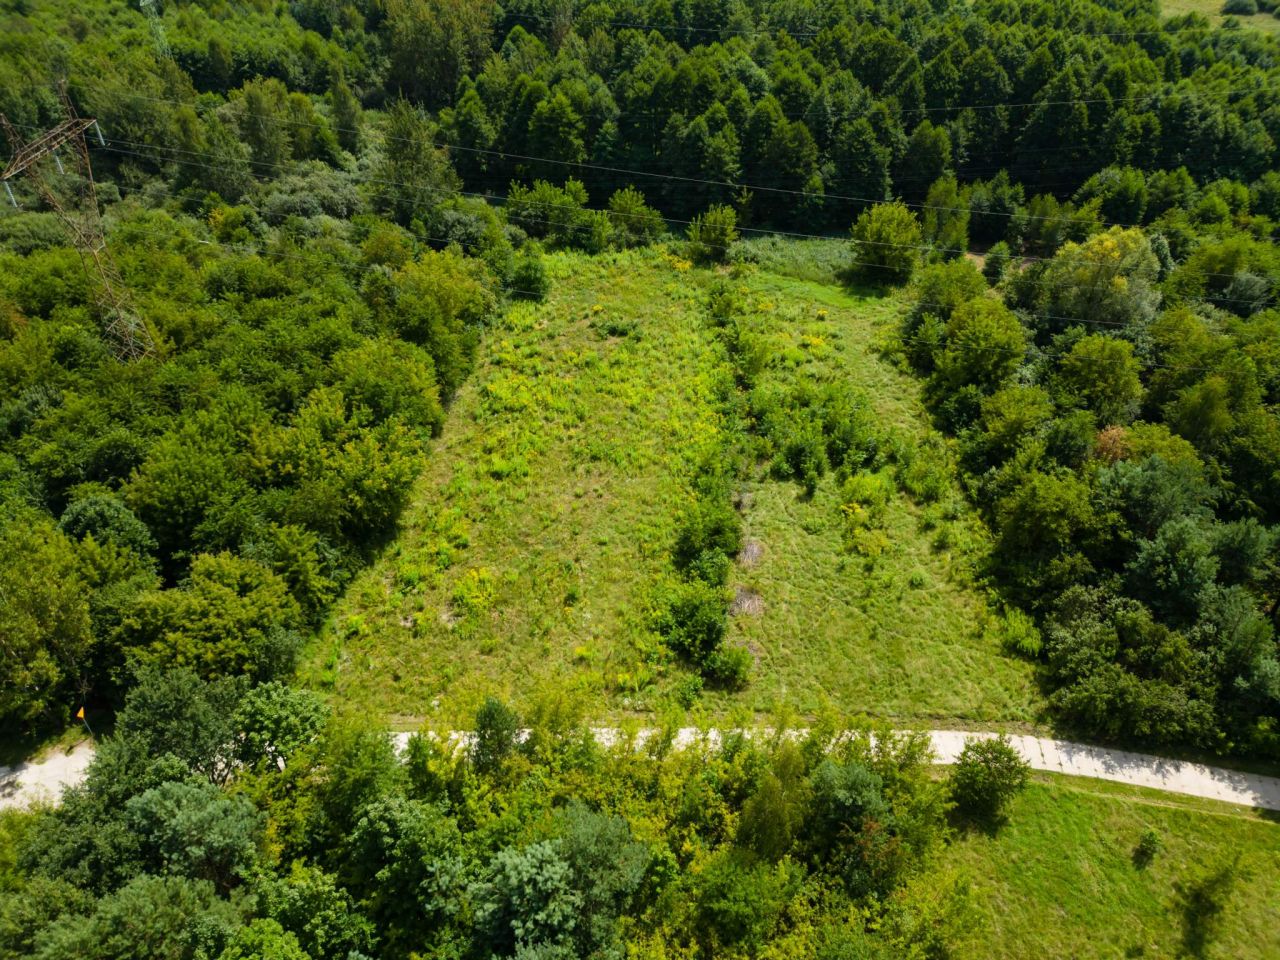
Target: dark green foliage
[[152, 918], [107, 520], [410, 157], [608, 867], [710, 533], [323, 916], [170, 863], [528, 899], [559, 215], [1149, 844], [497, 727], [194, 830], [740, 902], [996, 263], [692, 620], [529, 279], [634, 222], [43, 603], [233, 617], [987, 775], [402, 862]]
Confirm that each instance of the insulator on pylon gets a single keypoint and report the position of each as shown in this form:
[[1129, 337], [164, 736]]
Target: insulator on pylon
[[9, 190]]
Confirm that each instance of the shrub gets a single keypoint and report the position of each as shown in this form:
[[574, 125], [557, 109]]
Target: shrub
[[987, 776], [197, 831], [1149, 844], [730, 667], [529, 280], [497, 727], [687, 690], [710, 526], [634, 223], [1020, 633], [528, 898], [105, 518], [740, 903], [886, 239], [692, 620], [804, 454], [712, 233], [923, 471], [997, 263], [275, 720], [1243, 8]]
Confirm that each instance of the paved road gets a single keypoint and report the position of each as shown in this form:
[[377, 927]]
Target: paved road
[[30, 783]]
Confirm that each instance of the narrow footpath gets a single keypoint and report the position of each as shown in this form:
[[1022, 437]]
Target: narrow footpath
[[44, 781]]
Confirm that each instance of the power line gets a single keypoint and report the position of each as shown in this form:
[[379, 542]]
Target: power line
[[583, 165], [653, 218], [1042, 314]]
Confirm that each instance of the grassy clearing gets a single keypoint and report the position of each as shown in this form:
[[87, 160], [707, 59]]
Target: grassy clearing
[[893, 625], [539, 534], [536, 534], [1060, 879], [1212, 9]]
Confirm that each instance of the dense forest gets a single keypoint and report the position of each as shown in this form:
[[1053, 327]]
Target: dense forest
[[325, 844], [319, 207]]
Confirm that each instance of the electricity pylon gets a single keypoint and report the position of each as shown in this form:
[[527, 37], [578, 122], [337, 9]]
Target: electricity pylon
[[78, 211], [151, 8]]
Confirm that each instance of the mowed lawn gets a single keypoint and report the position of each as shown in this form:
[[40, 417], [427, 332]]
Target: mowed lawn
[[530, 549], [906, 634], [1059, 881]]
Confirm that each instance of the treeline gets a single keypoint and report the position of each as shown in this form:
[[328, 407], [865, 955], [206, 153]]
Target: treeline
[[797, 116], [225, 821], [1115, 411], [202, 507]]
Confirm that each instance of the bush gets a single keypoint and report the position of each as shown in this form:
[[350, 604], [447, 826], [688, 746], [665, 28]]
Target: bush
[[1149, 844], [634, 223], [1243, 8], [1020, 633], [730, 667], [687, 690], [886, 242], [692, 621], [710, 526], [987, 776], [529, 280], [997, 263], [712, 233], [497, 728]]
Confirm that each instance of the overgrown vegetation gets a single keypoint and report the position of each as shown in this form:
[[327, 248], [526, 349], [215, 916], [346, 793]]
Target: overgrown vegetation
[[547, 844], [501, 356], [1117, 426]]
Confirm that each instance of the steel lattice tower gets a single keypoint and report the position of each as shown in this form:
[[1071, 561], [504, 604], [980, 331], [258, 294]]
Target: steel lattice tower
[[78, 210]]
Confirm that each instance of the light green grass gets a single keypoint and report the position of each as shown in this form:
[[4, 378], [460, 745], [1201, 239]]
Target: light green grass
[[1212, 9], [530, 550], [544, 521], [1059, 882], [905, 634]]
